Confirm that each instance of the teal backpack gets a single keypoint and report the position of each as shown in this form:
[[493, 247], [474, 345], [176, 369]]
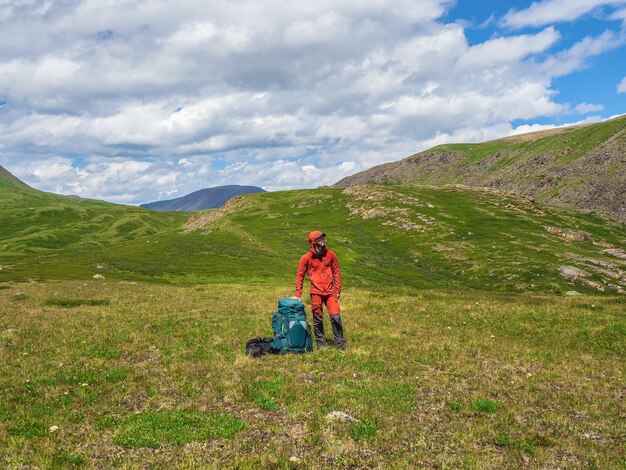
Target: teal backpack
[[291, 330]]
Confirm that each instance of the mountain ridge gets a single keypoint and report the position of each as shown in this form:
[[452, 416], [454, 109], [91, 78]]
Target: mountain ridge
[[207, 198], [581, 166]]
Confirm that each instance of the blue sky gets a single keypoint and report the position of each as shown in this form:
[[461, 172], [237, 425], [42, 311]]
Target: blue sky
[[595, 82], [133, 101]]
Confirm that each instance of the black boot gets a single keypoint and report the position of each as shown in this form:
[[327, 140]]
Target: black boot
[[335, 321], [318, 329]]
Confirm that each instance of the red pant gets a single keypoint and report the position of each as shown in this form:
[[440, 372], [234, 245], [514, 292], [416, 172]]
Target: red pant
[[331, 302]]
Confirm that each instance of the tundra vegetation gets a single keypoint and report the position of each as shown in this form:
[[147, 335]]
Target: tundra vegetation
[[484, 330]]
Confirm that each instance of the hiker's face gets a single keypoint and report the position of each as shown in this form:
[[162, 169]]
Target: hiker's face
[[320, 242]]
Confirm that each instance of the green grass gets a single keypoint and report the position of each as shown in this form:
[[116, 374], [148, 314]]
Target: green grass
[[177, 427], [28, 429], [435, 377], [486, 406], [361, 431], [266, 393], [68, 460]]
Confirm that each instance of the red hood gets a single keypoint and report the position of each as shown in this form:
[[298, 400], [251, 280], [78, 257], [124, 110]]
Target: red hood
[[312, 236]]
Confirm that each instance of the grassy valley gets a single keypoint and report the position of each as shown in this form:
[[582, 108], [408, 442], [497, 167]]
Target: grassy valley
[[387, 236], [46, 235], [464, 350]]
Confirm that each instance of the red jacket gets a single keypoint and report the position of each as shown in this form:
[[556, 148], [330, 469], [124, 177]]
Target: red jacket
[[322, 269]]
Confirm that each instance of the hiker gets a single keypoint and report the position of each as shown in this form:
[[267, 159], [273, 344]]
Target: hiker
[[322, 267]]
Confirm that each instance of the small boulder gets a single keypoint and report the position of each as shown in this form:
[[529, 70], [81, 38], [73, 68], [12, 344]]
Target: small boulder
[[571, 235], [617, 252], [596, 285], [340, 416], [373, 213], [98, 276], [618, 276], [572, 293]]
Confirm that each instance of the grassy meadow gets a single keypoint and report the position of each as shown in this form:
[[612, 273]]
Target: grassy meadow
[[139, 375], [466, 346]]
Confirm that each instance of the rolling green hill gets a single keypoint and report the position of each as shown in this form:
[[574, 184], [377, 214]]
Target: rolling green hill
[[583, 167], [48, 235], [384, 236]]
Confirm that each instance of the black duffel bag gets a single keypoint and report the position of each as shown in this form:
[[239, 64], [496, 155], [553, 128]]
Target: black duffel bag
[[258, 347]]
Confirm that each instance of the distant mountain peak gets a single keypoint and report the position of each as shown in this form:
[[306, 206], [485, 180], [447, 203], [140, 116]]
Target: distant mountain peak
[[208, 198]]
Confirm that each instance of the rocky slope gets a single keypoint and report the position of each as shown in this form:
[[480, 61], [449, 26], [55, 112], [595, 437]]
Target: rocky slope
[[582, 167], [7, 178]]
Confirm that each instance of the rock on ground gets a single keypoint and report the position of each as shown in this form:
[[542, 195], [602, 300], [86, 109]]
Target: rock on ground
[[572, 272], [340, 416], [571, 235], [617, 252]]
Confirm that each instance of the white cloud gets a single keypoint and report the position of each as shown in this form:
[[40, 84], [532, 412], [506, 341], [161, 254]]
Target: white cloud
[[158, 98], [621, 87], [54, 168], [576, 57], [508, 49], [619, 15], [545, 12], [526, 128], [585, 108]]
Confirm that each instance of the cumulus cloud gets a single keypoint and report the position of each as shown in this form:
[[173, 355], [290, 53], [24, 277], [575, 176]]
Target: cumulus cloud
[[619, 15], [152, 99], [621, 87], [576, 57], [554, 11]]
